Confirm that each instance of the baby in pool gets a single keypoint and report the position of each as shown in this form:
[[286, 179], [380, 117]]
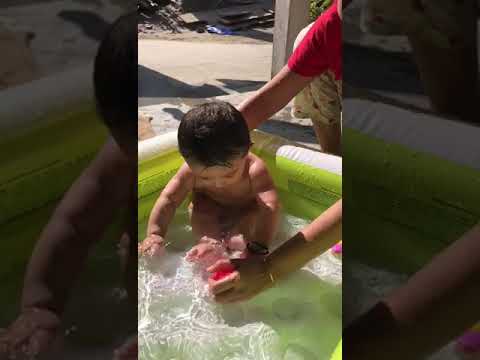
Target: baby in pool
[[234, 204]]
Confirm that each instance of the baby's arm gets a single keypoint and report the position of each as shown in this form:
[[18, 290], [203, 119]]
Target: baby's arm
[[164, 209], [268, 203], [77, 223], [61, 250]]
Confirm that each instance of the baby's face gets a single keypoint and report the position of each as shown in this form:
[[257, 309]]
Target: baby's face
[[220, 177]]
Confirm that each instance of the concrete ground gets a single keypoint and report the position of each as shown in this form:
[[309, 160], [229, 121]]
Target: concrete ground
[[66, 34], [169, 69], [176, 75], [161, 118]]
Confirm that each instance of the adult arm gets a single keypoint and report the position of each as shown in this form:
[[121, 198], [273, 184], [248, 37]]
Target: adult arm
[[436, 305], [319, 236], [255, 274], [272, 97]]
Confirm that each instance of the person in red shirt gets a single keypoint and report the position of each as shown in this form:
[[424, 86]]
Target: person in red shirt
[[408, 323], [313, 75], [321, 48], [319, 53]]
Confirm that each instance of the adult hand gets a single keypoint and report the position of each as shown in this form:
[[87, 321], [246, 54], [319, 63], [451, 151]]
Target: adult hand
[[30, 335], [250, 276], [244, 278]]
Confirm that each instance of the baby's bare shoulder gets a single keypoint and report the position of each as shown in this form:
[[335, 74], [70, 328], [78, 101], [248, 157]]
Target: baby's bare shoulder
[[257, 169], [185, 170], [184, 175]]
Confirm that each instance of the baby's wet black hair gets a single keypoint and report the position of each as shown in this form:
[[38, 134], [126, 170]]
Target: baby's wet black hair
[[213, 134], [115, 76]]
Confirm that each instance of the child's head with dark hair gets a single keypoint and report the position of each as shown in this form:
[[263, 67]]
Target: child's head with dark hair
[[213, 134], [214, 138], [115, 80]]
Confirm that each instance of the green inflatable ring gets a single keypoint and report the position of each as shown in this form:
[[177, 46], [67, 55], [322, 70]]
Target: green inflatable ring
[[308, 183]]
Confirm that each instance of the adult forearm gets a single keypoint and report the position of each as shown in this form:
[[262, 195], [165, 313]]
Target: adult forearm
[[436, 305], [312, 241], [272, 97], [326, 228], [441, 299]]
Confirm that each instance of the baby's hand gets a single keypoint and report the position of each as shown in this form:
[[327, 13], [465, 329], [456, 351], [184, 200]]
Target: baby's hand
[[236, 242], [237, 245], [153, 246], [206, 253], [30, 335]]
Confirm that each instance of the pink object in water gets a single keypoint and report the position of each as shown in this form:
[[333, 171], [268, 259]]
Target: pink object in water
[[338, 248], [469, 342], [218, 275]]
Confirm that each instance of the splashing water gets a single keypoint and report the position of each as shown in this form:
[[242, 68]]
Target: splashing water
[[179, 320]]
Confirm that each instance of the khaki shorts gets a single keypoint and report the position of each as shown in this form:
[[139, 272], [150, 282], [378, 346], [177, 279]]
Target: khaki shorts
[[321, 100]]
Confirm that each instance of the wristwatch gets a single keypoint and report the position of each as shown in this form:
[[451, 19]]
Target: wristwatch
[[256, 248]]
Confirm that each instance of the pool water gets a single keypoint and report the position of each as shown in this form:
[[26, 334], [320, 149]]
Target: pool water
[[300, 318], [367, 285]]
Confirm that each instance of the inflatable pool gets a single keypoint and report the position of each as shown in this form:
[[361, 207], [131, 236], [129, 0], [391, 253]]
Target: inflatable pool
[[50, 132], [412, 181], [308, 182]]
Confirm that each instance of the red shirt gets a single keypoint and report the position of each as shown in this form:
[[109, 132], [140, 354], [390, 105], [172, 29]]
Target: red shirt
[[321, 49]]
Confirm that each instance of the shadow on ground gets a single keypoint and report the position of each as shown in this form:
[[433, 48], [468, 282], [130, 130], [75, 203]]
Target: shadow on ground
[[291, 131], [265, 35], [240, 85], [153, 86]]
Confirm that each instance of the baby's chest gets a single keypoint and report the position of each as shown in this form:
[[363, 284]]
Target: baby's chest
[[233, 195]]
